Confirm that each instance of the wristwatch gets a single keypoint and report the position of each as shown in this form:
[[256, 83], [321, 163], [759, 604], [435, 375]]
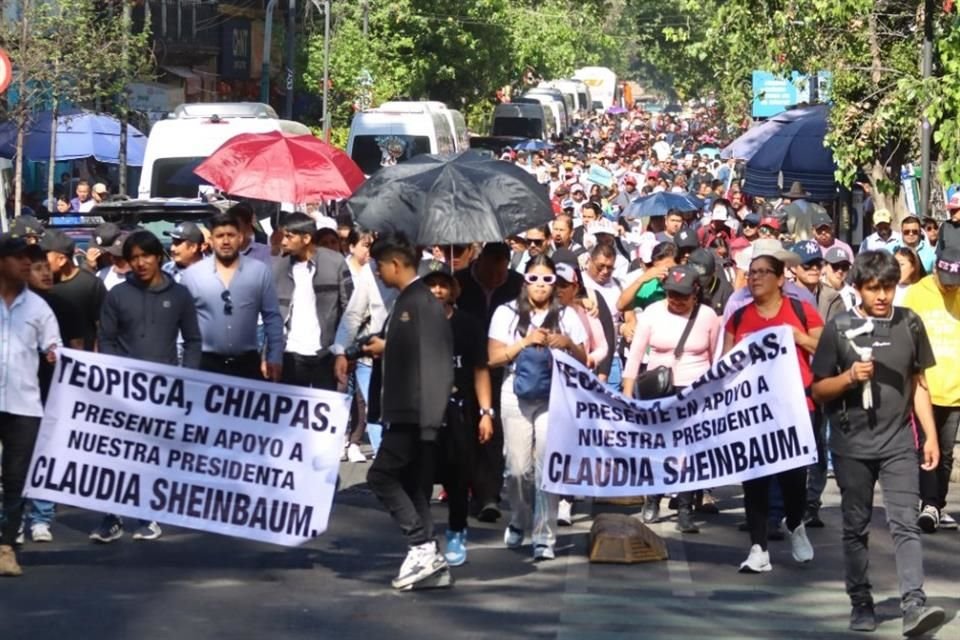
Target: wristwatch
[[488, 412]]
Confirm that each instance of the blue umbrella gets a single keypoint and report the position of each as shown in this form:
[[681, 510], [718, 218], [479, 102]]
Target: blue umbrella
[[533, 145], [755, 137], [80, 134], [661, 203], [794, 153]]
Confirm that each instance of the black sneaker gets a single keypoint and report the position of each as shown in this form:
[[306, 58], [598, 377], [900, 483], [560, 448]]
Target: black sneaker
[[929, 519], [812, 519], [110, 530], [918, 619], [685, 523], [489, 513], [863, 617]]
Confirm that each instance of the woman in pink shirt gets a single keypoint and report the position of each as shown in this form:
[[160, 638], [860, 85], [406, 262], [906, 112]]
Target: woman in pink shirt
[[659, 328]]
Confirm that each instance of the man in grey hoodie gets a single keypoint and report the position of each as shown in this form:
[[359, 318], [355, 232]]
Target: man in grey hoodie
[[141, 319]]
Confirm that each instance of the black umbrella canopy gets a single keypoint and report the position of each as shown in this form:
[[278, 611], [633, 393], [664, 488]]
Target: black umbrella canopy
[[449, 200]]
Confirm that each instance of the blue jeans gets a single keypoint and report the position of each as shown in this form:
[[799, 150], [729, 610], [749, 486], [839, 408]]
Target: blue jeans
[[40, 511], [374, 431], [616, 374]]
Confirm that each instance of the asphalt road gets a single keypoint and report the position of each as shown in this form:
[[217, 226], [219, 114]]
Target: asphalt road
[[192, 586]]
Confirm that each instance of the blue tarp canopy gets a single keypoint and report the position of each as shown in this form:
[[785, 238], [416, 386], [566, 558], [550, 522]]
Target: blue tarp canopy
[[80, 134]]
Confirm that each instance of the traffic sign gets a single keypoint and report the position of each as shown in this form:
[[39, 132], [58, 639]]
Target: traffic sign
[[6, 71]]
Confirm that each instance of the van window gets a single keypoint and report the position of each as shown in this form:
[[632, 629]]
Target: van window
[[371, 152], [444, 133], [174, 178], [521, 127]]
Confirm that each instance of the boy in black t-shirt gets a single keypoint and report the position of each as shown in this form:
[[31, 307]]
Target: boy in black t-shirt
[[877, 443], [469, 414]]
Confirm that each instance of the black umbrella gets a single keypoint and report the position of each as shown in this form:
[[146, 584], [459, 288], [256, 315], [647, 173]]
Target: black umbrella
[[451, 200]]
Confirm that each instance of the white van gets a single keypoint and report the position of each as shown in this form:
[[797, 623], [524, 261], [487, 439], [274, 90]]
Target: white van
[[578, 92], [397, 131], [458, 125], [191, 134]]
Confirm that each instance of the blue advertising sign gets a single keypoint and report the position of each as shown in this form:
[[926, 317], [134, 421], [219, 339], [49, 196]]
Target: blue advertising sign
[[235, 49], [773, 94]]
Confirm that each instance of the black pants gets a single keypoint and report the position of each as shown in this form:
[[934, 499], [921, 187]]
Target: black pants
[[488, 464], [401, 476], [897, 476], [756, 502], [934, 484], [18, 434], [315, 372], [244, 365], [456, 447]]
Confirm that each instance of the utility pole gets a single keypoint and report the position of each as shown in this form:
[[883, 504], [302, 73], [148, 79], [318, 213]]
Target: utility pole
[[926, 69], [366, 17], [291, 53], [326, 68], [267, 45], [124, 106]]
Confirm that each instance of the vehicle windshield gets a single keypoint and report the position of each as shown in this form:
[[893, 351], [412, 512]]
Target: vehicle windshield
[[522, 127], [371, 152], [174, 178]]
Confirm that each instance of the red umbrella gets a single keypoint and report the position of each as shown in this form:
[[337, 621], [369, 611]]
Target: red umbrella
[[281, 168]]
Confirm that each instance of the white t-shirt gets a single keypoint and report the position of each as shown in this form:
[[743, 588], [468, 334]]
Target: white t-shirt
[[610, 292], [110, 277], [303, 335], [503, 325]]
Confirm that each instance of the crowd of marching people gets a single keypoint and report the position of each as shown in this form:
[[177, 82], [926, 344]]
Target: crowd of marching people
[[627, 295]]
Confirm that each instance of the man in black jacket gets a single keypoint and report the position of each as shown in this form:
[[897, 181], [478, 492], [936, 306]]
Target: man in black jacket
[[416, 363], [313, 288], [484, 286]]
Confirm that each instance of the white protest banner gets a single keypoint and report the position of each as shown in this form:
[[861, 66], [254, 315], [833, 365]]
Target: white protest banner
[[745, 418], [206, 451]]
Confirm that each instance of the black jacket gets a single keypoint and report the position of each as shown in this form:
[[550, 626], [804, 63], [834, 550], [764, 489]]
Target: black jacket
[[332, 285], [416, 370], [143, 323], [473, 300]]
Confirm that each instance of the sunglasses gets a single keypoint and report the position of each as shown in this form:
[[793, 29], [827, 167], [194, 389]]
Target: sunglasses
[[810, 266], [227, 303], [911, 232], [841, 266], [536, 241], [534, 278]]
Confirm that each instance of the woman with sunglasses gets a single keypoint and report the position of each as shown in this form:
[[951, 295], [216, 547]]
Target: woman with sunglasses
[[658, 332], [771, 308], [519, 331]]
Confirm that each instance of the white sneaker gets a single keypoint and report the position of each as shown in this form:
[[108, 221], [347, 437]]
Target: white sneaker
[[565, 513], [512, 537], [947, 521], [21, 539], [421, 562], [354, 454], [800, 546], [543, 552], [40, 532], [757, 562]]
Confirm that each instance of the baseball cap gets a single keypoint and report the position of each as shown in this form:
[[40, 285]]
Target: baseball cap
[[954, 202], [703, 261], [105, 235], [567, 204], [58, 242], [26, 225], [681, 279], [11, 245], [881, 216], [566, 272], [836, 255], [115, 248], [719, 212], [186, 231], [602, 226], [496, 250], [100, 188], [434, 268], [577, 187], [630, 180], [771, 222], [686, 239], [808, 250], [770, 248], [948, 266], [752, 219], [821, 219]]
